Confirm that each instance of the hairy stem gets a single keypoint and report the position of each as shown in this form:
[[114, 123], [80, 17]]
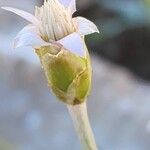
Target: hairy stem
[[81, 122]]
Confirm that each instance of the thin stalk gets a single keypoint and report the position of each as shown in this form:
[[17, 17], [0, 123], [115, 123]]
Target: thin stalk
[[81, 122]]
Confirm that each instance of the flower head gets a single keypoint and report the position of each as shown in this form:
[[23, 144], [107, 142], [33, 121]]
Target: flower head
[[53, 23], [58, 39]]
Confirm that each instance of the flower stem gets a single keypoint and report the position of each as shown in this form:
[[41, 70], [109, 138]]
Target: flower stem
[[81, 122]]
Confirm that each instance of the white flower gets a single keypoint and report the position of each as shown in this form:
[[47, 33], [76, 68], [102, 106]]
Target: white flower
[[53, 24]]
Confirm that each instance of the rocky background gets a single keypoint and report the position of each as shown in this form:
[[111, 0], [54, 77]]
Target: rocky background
[[31, 118]]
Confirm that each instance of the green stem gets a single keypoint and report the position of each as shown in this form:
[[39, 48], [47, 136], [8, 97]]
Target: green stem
[[81, 122]]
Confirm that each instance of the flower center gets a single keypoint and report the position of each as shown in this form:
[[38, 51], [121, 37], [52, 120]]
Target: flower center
[[55, 20]]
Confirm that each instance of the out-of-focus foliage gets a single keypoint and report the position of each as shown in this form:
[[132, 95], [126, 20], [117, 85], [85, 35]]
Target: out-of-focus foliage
[[125, 28], [6, 146]]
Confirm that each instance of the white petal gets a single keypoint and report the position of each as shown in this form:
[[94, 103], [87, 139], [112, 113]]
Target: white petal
[[65, 2], [85, 26], [74, 43], [70, 4], [29, 28], [31, 18], [29, 37]]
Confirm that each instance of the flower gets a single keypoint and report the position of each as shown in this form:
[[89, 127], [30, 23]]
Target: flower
[[58, 39], [53, 22]]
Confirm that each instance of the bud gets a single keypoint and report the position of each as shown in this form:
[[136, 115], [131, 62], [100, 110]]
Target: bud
[[58, 40], [68, 75]]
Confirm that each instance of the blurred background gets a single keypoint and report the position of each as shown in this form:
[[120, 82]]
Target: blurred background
[[31, 118]]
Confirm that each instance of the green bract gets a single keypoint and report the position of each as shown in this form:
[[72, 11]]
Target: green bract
[[68, 75]]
